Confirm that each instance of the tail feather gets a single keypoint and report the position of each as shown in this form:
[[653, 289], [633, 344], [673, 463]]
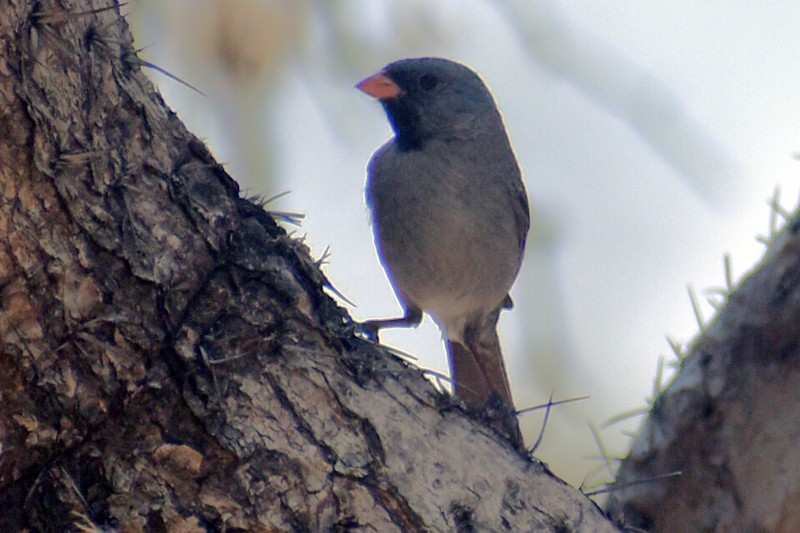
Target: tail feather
[[479, 374], [471, 381], [478, 371]]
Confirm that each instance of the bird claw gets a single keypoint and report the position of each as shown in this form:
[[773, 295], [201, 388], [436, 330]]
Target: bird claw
[[369, 330]]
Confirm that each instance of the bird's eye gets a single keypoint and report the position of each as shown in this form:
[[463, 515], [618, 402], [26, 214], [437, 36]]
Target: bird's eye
[[428, 82]]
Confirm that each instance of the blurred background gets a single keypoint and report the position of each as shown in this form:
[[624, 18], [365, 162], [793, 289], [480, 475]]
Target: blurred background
[[651, 136]]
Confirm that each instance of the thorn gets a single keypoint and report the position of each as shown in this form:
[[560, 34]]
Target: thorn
[[601, 448], [677, 348], [625, 416], [276, 197], [397, 352], [72, 485], [338, 294], [551, 404], [590, 475], [583, 483], [100, 36], [728, 273], [773, 214], [287, 216], [539, 437], [716, 291], [674, 364], [766, 241], [133, 59], [60, 16], [698, 314], [716, 304], [548, 406], [291, 217], [619, 486], [777, 208], [657, 385], [323, 259]]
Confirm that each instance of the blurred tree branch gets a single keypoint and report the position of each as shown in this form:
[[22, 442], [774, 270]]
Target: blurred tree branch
[[634, 95]]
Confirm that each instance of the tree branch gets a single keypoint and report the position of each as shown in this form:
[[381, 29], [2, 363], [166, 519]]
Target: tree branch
[[728, 422]]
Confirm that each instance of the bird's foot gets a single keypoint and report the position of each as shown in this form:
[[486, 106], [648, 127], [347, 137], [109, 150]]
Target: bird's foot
[[369, 330]]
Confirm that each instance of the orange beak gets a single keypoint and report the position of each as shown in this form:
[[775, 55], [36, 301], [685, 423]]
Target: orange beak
[[379, 86]]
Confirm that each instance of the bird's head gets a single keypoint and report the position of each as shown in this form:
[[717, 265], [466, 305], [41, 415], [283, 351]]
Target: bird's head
[[429, 97]]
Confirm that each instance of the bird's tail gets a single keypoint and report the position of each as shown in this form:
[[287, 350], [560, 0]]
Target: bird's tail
[[479, 375]]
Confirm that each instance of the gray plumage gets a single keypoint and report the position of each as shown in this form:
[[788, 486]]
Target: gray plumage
[[450, 212]]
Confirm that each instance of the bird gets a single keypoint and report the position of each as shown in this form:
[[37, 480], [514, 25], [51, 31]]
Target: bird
[[450, 217]]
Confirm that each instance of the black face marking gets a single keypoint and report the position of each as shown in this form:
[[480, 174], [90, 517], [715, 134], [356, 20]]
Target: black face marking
[[404, 118], [404, 112], [435, 96]]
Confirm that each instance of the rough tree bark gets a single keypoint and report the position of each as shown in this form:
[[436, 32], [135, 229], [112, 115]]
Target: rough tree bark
[[730, 421], [169, 360]]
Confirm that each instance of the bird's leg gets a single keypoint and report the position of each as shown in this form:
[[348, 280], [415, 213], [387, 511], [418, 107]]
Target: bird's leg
[[370, 328]]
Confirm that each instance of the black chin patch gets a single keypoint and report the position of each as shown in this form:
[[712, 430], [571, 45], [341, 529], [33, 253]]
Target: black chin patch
[[404, 118]]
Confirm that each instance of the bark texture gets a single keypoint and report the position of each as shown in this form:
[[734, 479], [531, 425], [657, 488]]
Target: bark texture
[[169, 360], [730, 422]]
